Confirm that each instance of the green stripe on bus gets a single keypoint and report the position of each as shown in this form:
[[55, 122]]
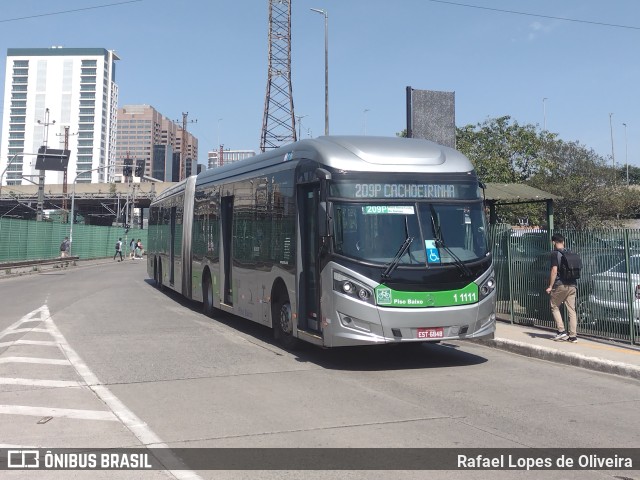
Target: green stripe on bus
[[387, 297]]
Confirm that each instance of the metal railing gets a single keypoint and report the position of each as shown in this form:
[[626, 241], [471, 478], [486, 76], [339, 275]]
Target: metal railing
[[608, 298]]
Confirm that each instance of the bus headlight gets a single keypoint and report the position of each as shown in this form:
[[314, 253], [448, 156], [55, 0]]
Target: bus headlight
[[352, 288], [488, 286]]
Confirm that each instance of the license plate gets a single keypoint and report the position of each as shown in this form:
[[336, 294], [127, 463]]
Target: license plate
[[437, 332]]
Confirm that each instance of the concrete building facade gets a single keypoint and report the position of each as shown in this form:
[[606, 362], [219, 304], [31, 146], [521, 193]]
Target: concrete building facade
[[48, 91], [145, 134], [218, 158]]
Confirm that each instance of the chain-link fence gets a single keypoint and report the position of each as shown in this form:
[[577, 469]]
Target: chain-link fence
[[31, 240], [608, 302]]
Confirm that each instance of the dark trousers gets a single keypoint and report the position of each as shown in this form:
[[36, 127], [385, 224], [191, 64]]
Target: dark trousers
[[118, 252]]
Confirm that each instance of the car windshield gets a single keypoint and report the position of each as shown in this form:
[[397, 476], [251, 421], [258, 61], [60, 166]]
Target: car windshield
[[442, 233], [634, 266]]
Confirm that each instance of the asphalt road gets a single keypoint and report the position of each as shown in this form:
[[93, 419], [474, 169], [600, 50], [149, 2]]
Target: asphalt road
[[116, 363]]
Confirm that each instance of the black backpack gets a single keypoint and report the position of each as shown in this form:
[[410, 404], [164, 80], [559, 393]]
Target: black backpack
[[570, 266]]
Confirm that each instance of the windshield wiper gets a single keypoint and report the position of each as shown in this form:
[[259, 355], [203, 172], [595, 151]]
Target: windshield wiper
[[439, 240], [396, 260]]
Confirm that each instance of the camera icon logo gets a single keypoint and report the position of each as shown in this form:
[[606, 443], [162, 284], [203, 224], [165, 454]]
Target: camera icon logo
[[23, 459]]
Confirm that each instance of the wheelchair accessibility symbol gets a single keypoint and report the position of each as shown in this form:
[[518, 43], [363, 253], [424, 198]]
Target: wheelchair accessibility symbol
[[433, 255]]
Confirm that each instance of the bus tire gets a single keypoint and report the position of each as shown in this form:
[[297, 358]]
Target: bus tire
[[282, 316], [207, 295], [159, 281]]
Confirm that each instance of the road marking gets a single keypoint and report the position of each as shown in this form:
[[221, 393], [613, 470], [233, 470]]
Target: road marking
[[129, 419], [39, 383], [58, 412], [23, 330], [45, 361], [44, 343]]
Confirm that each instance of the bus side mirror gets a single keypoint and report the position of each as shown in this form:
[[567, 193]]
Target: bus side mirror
[[325, 222]]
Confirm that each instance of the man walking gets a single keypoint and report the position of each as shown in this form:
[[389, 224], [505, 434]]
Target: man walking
[[64, 247], [562, 291], [118, 250]]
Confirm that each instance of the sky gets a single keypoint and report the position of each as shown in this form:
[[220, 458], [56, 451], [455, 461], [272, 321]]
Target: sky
[[501, 57]]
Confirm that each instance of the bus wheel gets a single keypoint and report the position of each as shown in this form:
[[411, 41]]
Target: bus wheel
[[207, 295], [159, 281], [283, 323]]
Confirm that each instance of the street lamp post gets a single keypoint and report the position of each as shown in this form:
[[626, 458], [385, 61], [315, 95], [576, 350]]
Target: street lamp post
[[626, 152], [364, 121], [326, 67], [73, 203], [613, 156], [45, 123]]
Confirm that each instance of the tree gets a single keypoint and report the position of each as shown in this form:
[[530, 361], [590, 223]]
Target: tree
[[585, 183], [503, 150], [592, 193]]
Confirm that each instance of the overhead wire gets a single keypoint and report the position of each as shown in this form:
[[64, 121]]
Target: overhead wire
[[528, 14], [68, 11]]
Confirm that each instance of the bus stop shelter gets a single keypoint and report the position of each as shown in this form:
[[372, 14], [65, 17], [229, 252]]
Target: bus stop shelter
[[517, 193]]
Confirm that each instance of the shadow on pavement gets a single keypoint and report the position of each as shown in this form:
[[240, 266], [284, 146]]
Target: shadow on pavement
[[360, 358]]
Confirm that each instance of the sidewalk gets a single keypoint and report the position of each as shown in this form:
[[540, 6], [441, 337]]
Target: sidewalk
[[592, 353]]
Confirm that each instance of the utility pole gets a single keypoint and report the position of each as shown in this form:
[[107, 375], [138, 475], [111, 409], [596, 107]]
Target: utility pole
[[64, 178], [40, 207], [183, 145]]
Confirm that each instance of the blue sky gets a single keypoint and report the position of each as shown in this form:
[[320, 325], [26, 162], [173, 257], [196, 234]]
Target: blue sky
[[209, 58]]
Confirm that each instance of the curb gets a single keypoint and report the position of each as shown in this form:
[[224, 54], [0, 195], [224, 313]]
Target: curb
[[566, 358], [39, 269]]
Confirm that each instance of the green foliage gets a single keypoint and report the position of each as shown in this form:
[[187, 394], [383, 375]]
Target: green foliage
[[592, 193], [502, 150]]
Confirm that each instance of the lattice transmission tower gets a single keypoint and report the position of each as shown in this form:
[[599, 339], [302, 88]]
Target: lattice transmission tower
[[278, 122]]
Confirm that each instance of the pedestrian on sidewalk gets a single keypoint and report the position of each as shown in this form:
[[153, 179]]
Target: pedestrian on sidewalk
[[118, 249], [562, 290], [132, 248], [64, 247]]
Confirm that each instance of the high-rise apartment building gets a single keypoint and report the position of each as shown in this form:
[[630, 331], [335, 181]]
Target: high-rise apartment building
[[145, 134], [76, 89]]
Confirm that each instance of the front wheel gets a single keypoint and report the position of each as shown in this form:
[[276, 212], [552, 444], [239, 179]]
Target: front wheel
[[283, 324]]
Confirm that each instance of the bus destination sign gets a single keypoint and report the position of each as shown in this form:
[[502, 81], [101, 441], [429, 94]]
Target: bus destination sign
[[403, 190]]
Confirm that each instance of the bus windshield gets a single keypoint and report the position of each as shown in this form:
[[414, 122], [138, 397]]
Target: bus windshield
[[443, 233]]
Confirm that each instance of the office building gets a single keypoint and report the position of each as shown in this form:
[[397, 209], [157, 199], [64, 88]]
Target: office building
[[224, 157], [57, 95], [144, 134]]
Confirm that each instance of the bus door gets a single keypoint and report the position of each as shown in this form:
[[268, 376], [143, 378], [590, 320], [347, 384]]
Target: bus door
[[226, 206], [172, 243], [309, 297]]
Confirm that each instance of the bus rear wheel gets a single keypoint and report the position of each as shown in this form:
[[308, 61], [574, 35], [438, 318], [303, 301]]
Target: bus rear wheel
[[159, 279], [282, 316], [207, 295]]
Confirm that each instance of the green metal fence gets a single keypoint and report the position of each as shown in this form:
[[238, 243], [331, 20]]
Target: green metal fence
[[31, 240], [608, 303]]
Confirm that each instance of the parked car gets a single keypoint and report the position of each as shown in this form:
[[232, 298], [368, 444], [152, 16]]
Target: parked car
[[611, 293]]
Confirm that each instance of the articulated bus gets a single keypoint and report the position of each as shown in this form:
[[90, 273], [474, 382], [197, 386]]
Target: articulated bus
[[336, 241]]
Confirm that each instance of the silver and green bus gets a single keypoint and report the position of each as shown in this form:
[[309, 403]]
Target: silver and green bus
[[335, 241]]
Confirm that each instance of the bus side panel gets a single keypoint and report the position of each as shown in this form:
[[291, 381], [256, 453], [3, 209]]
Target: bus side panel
[[187, 230], [205, 242]]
